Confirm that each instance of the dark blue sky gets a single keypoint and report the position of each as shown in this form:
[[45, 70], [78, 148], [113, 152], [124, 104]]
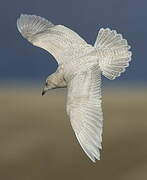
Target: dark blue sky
[[19, 60]]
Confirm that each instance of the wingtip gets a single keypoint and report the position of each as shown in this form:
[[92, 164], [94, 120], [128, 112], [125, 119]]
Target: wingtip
[[29, 25], [94, 155]]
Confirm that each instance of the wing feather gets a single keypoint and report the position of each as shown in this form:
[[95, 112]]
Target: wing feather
[[60, 41], [84, 109], [30, 25]]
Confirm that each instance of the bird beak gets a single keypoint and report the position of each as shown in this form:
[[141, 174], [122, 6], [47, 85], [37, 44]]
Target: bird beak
[[43, 92], [45, 89]]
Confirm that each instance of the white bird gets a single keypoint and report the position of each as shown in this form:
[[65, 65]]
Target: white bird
[[80, 66]]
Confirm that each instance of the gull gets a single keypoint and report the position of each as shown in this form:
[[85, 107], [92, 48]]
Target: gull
[[80, 66]]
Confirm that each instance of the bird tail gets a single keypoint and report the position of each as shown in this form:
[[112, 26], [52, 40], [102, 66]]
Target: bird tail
[[29, 25], [113, 53]]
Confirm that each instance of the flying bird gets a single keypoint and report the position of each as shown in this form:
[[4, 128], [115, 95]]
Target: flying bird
[[80, 66]]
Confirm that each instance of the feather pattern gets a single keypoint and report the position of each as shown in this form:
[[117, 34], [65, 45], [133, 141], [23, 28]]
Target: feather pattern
[[63, 43], [84, 109], [29, 25], [113, 53]]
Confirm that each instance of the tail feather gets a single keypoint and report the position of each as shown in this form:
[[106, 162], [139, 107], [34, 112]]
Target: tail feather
[[29, 25], [113, 52]]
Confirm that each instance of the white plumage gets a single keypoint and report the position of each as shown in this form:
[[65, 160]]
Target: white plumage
[[113, 52], [80, 68]]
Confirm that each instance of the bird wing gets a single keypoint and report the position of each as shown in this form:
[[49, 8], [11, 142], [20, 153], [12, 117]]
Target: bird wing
[[84, 110], [113, 53], [60, 41]]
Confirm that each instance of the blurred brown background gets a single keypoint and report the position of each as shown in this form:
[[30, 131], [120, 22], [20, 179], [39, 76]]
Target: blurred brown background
[[37, 141]]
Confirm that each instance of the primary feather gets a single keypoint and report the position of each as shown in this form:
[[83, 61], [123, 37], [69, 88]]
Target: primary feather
[[80, 69], [29, 25], [84, 109]]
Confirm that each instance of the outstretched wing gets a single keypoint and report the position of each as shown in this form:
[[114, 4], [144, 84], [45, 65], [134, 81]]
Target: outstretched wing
[[60, 41], [113, 52], [84, 109]]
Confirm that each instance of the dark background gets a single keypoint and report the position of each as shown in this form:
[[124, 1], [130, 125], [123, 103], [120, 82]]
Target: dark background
[[19, 60]]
